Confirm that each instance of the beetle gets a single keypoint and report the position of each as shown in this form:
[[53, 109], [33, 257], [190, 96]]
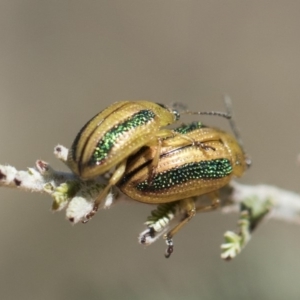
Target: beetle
[[186, 171], [111, 136], [115, 133]]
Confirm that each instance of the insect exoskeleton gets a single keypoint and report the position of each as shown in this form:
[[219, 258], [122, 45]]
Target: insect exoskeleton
[[120, 130], [184, 172], [115, 133], [110, 137]]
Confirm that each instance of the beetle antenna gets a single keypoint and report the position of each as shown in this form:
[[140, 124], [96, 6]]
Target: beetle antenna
[[222, 114], [182, 108], [234, 128]]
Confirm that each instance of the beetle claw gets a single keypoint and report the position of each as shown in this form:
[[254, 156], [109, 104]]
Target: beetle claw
[[170, 247], [204, 146]]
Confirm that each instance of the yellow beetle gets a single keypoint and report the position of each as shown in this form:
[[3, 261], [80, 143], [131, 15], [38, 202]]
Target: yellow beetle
[[184, 172]]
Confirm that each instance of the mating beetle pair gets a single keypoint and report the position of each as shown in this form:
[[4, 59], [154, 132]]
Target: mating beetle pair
[[110, 137], [154, 164]]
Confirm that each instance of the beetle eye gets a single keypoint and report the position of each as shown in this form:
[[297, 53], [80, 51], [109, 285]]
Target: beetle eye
[[173, 111]]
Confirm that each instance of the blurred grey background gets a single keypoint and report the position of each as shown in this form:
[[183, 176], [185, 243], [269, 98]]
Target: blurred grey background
[[63, 61]]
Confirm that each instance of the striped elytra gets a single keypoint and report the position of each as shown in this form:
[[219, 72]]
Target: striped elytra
[[184, 171], [115, 133]]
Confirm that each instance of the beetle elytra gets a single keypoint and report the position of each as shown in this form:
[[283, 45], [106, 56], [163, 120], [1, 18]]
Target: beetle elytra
[[185, 172], [111, 136]]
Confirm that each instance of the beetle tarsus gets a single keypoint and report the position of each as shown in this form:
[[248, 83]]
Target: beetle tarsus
[[204, 146], [170, 247]]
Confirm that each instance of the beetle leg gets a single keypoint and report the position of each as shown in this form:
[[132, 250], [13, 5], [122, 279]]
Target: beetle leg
[[164, 134], [189, 206], [183, 141], [155, 161], [187, 138], [204, 146], [190, 211], [215, 202], [158, 222], [165, 142], [162, 141], [117, 175], [161, 135]]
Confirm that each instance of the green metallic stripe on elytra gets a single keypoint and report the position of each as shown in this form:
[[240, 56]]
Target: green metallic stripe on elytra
[[111, 137], [184, 129], [211, 169]]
